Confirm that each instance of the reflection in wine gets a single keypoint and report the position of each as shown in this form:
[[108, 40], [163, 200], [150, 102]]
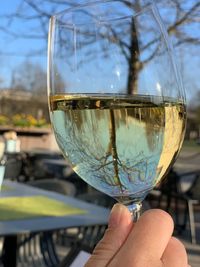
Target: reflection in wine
[[121, 145]]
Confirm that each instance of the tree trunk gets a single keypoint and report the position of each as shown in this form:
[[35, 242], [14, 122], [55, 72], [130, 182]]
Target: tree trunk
[[134, 64]]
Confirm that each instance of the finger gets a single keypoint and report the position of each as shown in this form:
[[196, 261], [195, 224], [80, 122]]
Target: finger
[[147, 241], [175, 254], [119, 226]]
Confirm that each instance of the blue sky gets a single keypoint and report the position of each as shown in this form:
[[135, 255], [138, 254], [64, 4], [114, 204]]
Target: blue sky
[[15, 51]]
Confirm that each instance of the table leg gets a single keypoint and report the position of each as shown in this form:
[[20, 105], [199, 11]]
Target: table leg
[[9, 255]]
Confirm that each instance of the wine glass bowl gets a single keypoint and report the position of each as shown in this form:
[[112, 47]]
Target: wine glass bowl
[[117, 104]]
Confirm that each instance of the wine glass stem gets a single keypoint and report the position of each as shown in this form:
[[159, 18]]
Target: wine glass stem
[[135, 210]]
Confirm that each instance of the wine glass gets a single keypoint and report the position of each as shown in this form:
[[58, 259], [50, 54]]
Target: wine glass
[[116, 99]]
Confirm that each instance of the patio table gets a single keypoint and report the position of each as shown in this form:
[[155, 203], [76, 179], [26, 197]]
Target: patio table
[[71, 212]]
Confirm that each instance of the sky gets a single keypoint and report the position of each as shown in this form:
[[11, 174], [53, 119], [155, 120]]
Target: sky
[[14, 51]]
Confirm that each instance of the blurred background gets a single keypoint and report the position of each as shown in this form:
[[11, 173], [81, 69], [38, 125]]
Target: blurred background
[[23, 56], [32, 153]]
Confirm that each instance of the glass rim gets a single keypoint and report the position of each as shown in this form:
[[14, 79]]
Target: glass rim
[[150, 5], [55, 21]]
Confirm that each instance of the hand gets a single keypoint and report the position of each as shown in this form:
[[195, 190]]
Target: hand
[[147, 243]]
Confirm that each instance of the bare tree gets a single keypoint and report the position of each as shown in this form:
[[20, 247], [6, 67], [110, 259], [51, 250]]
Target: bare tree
[[40, 11], [179, 21], [29, 76], [1, 81], [173, 12]]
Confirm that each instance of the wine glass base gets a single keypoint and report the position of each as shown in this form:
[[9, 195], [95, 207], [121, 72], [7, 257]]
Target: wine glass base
[[133, 202], [135, 210]]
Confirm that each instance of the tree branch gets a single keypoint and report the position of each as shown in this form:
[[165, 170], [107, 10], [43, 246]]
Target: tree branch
[[184, 19]]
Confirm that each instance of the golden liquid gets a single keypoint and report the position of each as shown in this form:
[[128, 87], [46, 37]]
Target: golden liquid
[[120, 145]]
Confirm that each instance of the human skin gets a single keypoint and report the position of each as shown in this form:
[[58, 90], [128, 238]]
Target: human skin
[[147, 243]]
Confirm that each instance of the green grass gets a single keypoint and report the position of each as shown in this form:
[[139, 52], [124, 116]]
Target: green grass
[[17, 208]]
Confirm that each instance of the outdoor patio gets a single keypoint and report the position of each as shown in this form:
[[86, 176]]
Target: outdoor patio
[[52, 165], [117, 83]]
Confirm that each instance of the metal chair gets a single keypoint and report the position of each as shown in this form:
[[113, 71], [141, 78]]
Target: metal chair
[[192, 198], [180, 204], [87, 237], [13, 166], [39, 249]]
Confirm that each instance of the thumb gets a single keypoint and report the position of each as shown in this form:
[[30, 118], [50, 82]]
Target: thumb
[[119, 226]]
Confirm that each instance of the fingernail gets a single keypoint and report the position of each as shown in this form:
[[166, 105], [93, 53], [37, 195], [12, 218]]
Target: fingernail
[[116, 215]]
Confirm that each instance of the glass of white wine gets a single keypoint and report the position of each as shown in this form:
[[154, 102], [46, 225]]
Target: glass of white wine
[[116, 100]]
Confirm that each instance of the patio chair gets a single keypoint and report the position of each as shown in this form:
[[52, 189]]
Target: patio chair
[[34, 168], [192, 198], [165, 194], [39, 249], [91, 235], [87, 237], [180, 204], [13, 166]]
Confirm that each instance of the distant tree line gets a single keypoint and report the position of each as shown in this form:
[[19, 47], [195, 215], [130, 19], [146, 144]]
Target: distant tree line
[[181, 18]]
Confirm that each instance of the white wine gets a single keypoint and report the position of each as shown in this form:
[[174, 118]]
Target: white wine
[[121, 145]]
